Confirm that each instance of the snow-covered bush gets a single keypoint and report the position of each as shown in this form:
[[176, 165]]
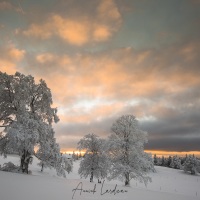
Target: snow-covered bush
[[9, 167]]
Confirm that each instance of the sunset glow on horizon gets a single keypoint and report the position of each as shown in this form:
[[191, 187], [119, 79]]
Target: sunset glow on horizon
[[157, 153], [106, 58]]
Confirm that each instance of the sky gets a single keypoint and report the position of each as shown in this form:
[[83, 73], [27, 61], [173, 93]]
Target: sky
[[106, 58]]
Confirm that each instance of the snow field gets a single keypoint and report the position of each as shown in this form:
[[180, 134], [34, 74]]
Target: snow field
[[167, 184]]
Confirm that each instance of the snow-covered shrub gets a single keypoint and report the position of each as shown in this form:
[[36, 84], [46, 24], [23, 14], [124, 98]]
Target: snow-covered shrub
[[9, 167]]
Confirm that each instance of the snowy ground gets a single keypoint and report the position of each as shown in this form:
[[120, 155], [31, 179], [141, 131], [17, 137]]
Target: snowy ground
[[167, 184]]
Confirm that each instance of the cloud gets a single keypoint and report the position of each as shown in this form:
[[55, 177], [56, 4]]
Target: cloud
[[179, 144], [101, 32], [108, 13], [195, 2], [10, 57], [108, 10], [49, 58], [71, 30], [43, 32], [92, 89], [5, 5], [45, 58], [122, 74], [79, 30]]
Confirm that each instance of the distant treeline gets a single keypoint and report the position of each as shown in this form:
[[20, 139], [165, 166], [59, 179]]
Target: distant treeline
[[77, 156], [188, 163]]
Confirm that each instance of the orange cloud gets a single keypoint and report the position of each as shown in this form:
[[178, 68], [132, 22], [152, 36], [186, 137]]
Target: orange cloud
[[107, 13], [7, 66], [45, 57], [101, 33], [41, 31], [120, 74], [80, 30], [74, 31], [15, 54], [108, 10], [52, 59], [94, 113], [190, 51], [10, 56]]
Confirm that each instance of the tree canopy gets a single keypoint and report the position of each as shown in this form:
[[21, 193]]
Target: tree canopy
[[95, 162], [26, 116], [126, 150]]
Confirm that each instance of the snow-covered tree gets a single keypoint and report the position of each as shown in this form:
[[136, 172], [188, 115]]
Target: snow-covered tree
[[74, 156], [67, 164], [155, 159], [183, 159], [80, 155], [58, 161], [175, 162], [25, 115], [48, 150], [126, 150], [191, 164], [95, 162], [163, 161], [169, 161]]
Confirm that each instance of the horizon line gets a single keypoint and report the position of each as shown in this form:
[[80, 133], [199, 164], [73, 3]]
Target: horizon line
[[157, 152]]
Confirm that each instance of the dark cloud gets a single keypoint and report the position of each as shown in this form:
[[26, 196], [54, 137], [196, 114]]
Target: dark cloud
[[175, 132], [170, 144]]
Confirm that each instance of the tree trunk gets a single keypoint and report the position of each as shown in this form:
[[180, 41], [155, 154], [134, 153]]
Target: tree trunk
[[25, 158], [127, 179], [42, 167], [99, 181], [22, 161], [92, 175]]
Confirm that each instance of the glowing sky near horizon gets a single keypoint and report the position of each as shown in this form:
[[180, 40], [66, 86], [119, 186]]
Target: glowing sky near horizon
[[106, 58]]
